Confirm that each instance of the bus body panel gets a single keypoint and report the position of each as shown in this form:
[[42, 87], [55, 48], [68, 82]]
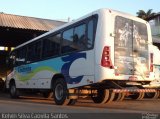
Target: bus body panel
[[156, 68], [77, 68], [132, 66]]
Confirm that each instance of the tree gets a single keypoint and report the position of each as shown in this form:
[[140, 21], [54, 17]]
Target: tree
[[145, 15]]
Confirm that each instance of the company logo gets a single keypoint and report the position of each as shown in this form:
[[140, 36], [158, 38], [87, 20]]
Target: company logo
[[69, 59]]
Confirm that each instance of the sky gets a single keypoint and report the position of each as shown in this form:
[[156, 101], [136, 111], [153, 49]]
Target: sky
[[73, 9]]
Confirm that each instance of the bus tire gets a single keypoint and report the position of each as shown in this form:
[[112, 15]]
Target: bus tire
[[137, 96], [141, 96], [111, 97], [157, 94], [119, 97], [60, 92], [13, 90], [152, 95], [122, 96], [101, 97]]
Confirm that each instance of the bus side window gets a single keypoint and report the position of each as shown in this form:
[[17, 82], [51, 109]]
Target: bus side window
[[51, 46], [90, 34], [67, 44], [34, 52], [21, 56], [81, 40]]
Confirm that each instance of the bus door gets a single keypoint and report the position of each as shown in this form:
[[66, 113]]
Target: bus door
[[140, 49], [131, 49]]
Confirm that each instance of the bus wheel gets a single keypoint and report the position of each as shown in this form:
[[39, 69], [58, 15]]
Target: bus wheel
[[111, 97], [122, 97], [137, 96], [60, 92], [119, 97], [152, 95], [13, 90], [101, 97]]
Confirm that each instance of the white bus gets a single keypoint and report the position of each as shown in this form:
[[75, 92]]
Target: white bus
[[155, 84], [102, 55]]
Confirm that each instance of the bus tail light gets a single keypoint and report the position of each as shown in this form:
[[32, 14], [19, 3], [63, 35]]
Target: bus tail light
[[151, 62], [106, 59]]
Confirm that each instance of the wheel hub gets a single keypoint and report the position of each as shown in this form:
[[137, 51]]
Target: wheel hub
[[59, 92]]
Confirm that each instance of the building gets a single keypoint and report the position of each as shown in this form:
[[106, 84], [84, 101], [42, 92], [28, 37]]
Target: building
[[15, 30], [155, 24], [155, 28]]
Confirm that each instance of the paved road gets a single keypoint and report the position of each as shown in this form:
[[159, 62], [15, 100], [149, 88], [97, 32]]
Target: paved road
[[127, 109]]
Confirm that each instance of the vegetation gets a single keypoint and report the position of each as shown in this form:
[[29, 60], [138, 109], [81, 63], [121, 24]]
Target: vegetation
[[145, 15]]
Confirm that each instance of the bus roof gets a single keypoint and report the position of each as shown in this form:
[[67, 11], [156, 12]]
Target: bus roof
[[99, 11]]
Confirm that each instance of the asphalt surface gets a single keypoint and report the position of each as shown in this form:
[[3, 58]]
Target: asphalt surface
[[32, 105]]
